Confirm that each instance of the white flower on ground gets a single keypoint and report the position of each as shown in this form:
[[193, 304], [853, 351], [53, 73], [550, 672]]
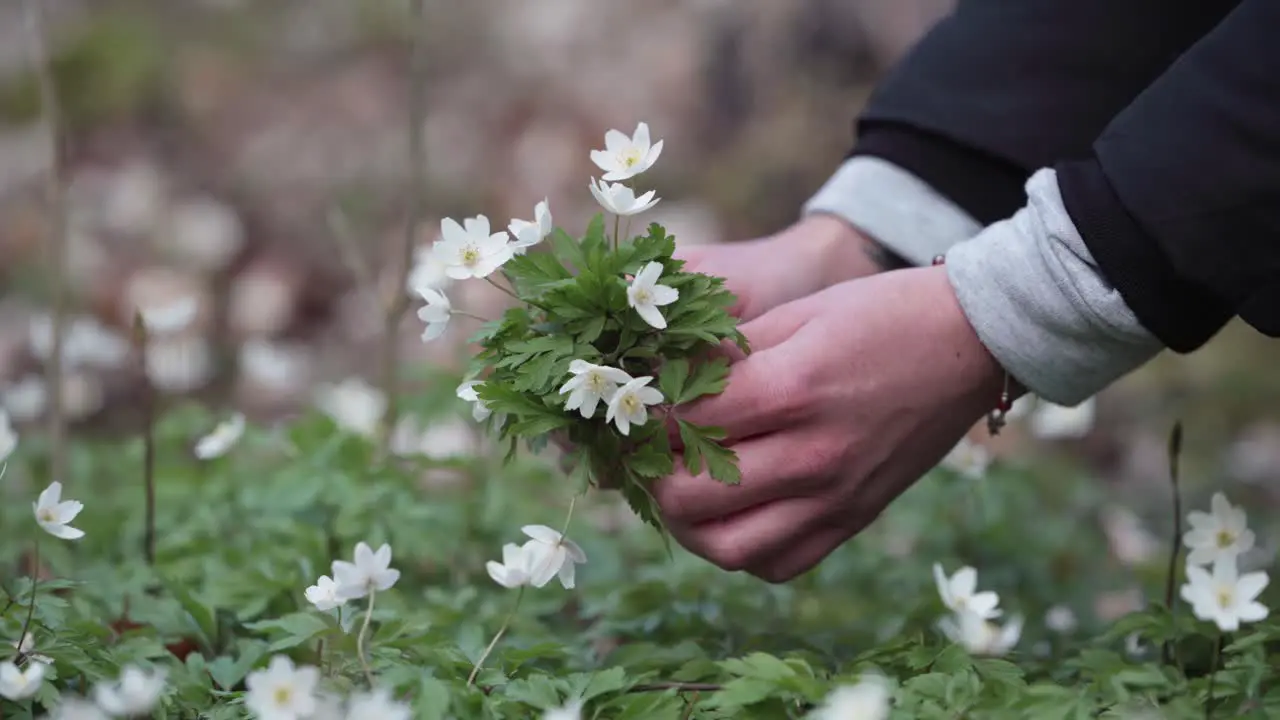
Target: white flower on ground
[[525, 234], [435, 313], [1052, 422], [282, 691], [8, 438], [278, 366], [26, 645], [629, 405], [26, 399], [135, 693], [85, 341], [467, 391], [620, 199], [377, 705], [370, 571], [570, 711], [1225, 597], [866, 700], [54, 514], [1223, 532], [513, 571], [74, 708], [1060, 619], [470, 250], [590, 385], [550, 554], [646, 295], [625, 157], [353, 404], [958, 593], [980, 636], [968, 458], [224, 436], [171, 317], [324, 594], [19, 684]]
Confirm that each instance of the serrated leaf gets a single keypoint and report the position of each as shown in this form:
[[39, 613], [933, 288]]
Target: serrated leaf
[[672, 378], [709, 378], [700, 447]]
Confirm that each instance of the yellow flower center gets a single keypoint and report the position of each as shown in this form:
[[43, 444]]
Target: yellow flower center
[[631, 157], [46, 515], [283, 695], [1225, 597], [643, 296], [1225, 538], [595, 382], [470, 256], [630, 402]]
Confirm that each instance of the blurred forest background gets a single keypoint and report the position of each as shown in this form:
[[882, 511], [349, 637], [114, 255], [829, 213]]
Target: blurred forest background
[[252, 154]]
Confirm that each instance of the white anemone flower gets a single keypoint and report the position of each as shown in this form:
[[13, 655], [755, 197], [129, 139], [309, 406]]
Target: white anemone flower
[[467, 391], [170, 317], [136, 693], [625, 157], [371, 571], [980, 636], [866, 700], [959, 593], [377, 704], [353, 404], [435, 313], [1225, 597], [646, 295], [8, 438], [1222, 532], [525, 234], [549, 554], [282, 691], [471, 250], [55, 515], [570, 711], [590, 385], [222, 439], [324, 594], [629, 405], [620, 199], [20, 683], [513, 571]]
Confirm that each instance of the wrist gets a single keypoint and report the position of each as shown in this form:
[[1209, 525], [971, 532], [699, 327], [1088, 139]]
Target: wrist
[[837, 251]]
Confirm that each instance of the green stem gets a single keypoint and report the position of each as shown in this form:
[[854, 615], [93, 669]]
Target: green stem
[[506, 622], [489, 279], [35, 582], [617, 219], [364, 628], [466, 314]]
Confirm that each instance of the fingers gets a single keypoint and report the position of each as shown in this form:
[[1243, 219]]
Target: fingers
[[753, 539], [774, 467], [801, 557]]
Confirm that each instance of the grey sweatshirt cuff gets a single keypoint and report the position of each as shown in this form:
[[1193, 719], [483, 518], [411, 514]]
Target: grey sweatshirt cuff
[[895, 208], [1034, 294]]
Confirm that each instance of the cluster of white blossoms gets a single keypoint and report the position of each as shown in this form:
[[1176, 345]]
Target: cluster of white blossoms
[[134, 694], [1220, 594], [970, 624], [627, 399], [473, 250], [284, 691], [368, 572]]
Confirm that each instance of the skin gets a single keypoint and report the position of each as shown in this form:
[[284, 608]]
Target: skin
[[858, 384]]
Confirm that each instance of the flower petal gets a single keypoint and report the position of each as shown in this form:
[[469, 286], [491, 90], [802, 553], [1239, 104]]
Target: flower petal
[[663, 295], [652, 315], [640, 140], [1250, 585], [648, 275]]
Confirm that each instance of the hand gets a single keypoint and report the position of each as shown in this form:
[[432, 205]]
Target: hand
[[849, 396], [814, 253]]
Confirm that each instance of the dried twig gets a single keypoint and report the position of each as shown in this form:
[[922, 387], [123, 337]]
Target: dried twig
[[398, 301], [57, 240]]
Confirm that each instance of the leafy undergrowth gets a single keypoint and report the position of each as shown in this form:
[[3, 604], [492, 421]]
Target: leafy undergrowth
[[643, 633]]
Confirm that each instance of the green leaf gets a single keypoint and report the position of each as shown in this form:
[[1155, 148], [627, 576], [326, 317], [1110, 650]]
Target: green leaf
[[700, 446], [709, 378], [671, 380], [298, 629], [566, 247]]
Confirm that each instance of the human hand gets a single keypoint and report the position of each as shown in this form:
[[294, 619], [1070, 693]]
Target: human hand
[[849, 396], [816, 252]]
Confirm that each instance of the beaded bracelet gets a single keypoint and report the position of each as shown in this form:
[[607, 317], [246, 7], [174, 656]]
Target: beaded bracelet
[[997, 418]]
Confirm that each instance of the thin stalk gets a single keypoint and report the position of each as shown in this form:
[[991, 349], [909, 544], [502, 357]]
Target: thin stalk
[[511, 293], [617, 220], [466, 314], [35, 583], [56, 198], [626, 229], [1175, 545], [142, 341], [1213, 675], [364, 628], [506, 622], [399, 301]]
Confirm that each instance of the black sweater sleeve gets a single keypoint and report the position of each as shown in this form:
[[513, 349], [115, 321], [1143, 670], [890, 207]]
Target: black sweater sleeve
[[1180, 202], [1001, 88]]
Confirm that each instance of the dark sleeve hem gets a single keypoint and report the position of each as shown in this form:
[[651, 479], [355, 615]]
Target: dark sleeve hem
[[987, 187], [1182, 315]]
